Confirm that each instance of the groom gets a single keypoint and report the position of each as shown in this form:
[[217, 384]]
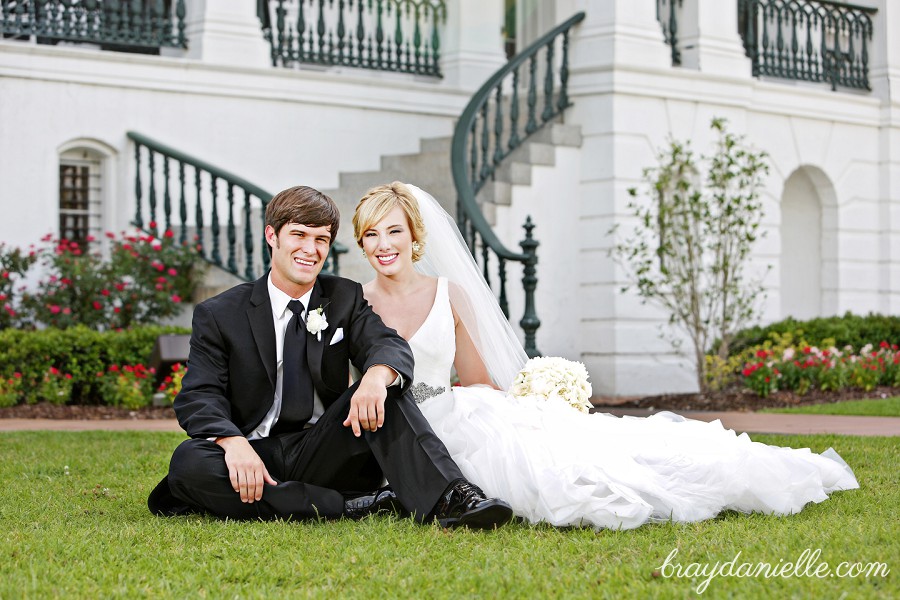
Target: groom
[[275, 431]]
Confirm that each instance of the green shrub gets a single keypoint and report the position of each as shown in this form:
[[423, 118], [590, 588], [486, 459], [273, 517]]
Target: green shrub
[[78, 351], [850, 329]]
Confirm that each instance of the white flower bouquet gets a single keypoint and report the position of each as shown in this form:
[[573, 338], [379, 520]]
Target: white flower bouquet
[[554, 378]]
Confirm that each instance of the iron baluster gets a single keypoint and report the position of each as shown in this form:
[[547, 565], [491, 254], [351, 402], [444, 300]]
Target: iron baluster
[[473, 155], [548, 85], [485, 270], [280, 11], [301, 32], [563, 102], [529, 321], [248, 238], [417, 41], [138, 217], [379, 33], [137, 21], [232, 233], [214, 220], [198, 215], [180, 14], [167, 200], [531, 126], [360, 33], [341, 32], [151, 194], [501, 275], [182, 205], [514, 113], [486, 169], [320, 30], [398, 39], [498, 126]]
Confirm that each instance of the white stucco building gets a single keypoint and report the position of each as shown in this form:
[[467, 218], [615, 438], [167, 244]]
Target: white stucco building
[[832, 198]]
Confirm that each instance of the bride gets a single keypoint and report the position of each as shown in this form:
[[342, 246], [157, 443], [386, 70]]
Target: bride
[[548, 461]]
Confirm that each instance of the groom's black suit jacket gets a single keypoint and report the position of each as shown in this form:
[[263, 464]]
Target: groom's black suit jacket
[[229, 386]]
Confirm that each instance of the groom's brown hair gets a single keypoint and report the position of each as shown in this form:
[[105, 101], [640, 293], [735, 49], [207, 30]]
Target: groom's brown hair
[[303, 205]]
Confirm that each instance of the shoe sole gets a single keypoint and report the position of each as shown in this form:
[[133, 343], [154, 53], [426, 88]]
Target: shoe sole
[[485, 517]]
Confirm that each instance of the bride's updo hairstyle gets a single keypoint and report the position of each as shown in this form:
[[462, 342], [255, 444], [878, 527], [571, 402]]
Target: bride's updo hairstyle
[[381, 200]]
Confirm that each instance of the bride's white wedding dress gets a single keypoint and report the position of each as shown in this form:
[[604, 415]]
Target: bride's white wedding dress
[[555, 464]]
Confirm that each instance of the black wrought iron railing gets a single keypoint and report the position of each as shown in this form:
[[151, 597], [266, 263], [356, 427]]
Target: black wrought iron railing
[[219, 213], [667, 13], [387, 35], [114, 24], [809, 40], [530, 91]]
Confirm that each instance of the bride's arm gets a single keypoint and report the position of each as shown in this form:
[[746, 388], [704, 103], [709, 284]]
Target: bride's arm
[[469, 366]]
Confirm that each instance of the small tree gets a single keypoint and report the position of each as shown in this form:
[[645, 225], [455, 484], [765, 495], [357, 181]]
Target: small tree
[[691, 244]]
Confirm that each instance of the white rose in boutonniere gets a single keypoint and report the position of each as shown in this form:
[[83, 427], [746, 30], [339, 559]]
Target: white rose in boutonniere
[[316, 322]]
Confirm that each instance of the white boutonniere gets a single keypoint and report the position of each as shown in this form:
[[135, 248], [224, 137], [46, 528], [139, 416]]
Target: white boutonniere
[[316, 322]]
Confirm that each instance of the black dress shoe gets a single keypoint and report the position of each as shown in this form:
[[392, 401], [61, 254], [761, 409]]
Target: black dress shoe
[[379, 501], [465, 505], [163, 503]]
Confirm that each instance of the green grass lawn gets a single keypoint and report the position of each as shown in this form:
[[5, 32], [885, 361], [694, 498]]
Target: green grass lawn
[[871, 407], [74, 523]]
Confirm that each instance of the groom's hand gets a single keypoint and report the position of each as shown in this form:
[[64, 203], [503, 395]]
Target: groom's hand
[[367, 403], [246, 469]]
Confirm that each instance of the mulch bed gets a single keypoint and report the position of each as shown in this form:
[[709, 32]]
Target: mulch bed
[[743, 400], [45, 410], [729, 400]]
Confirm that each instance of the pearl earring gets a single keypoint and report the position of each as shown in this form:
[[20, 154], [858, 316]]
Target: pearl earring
[[364, 254]]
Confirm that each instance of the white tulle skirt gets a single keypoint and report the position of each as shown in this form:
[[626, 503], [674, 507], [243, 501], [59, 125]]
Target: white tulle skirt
[[555, 464]]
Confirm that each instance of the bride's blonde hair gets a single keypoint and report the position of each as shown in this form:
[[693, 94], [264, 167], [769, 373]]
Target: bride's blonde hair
[[381, 200]]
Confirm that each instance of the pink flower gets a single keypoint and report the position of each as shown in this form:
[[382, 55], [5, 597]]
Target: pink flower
[[110, 235], [176, 298], [55, 309], [172, 272], [67, 311]]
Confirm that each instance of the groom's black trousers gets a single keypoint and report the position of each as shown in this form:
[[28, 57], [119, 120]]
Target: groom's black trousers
[[317, 466]]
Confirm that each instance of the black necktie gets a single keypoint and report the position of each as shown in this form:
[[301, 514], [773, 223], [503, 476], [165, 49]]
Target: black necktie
[[296, 385]]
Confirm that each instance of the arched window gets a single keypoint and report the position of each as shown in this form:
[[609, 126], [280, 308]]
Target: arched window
[[84, 176]]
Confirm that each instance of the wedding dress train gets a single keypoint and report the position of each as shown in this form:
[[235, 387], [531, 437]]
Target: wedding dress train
[[555, 464]]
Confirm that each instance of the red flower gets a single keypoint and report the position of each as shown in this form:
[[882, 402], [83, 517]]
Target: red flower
[[172, 272], [806, 349], [176, 298], [97, 305], [17, 375], [761, 354], [152, 224], [117, 310], [169, 234], [55, 309], [883, 344], [67, 311], [747, 372], [110, 235], [120, 286], [54, 371]]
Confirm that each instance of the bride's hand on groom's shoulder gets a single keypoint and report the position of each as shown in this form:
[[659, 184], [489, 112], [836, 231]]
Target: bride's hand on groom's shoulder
[[367, 403]]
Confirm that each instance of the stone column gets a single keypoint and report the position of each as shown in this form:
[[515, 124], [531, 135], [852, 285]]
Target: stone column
[[709, 38]]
